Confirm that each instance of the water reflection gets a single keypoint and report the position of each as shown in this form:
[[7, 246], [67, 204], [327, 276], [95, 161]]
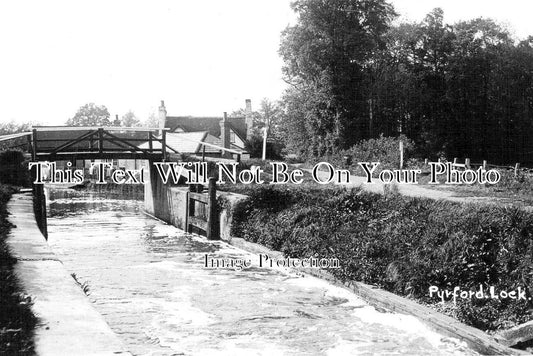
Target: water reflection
[[149, 282]]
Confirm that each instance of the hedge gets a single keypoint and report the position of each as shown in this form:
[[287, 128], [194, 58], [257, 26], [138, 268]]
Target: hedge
[[404, 245]]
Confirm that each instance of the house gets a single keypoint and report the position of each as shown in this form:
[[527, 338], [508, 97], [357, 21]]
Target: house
[[226, 132]]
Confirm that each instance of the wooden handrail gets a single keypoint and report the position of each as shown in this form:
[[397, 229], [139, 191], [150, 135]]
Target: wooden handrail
[[87, 128]]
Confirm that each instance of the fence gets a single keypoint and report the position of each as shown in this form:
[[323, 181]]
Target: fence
[[469, 165]]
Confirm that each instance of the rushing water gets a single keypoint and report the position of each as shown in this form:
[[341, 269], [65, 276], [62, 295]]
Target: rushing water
[[149, 282]]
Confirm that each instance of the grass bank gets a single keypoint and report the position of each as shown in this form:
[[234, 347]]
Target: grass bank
[[17, 321], [403, 245]]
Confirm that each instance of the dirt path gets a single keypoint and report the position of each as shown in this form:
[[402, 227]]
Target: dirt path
[[414, 190]]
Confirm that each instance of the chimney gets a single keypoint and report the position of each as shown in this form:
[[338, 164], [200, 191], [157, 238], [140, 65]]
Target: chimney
[[224, 135], [162, 117], [248, 119]]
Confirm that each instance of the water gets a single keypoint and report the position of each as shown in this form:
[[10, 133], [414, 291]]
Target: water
[[148, 281]]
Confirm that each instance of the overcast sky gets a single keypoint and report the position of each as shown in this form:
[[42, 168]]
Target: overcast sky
[[201, 57]]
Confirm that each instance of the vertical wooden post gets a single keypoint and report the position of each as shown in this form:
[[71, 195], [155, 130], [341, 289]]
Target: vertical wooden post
[[190, 211], [484, 165], [34, 148], [467, 163], [164, 144], [426, 161], [203, 153], [401, 154], [150, 144], [516, 168], [212, 221], [187, 205], [100, 140], [265, 130]]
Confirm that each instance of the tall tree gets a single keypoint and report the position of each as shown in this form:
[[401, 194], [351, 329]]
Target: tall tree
[[152, 120], [130, 120], [325, 56], [90, 115]]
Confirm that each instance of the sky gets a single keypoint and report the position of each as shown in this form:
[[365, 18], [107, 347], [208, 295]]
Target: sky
[[200, 57]]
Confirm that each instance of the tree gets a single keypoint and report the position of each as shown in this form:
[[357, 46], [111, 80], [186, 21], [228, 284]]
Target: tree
[[90, 115], [326, 55], [270, 116], [130, 120], [13, 127], [152, 121]]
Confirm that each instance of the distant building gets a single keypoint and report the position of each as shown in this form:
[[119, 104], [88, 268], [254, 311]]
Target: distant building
[[225, 132]]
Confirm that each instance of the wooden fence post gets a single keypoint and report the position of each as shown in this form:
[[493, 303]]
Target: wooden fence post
[[34, 146], [164, 145], [484, 165], [516, 168], [212, 221], [401, 154], [467, 163], [190, 211]]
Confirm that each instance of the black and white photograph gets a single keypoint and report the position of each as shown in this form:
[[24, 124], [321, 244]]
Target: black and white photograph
[[255, 177]]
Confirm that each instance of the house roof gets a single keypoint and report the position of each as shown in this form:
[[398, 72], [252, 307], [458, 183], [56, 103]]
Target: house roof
[[209, 124], [186, 142]]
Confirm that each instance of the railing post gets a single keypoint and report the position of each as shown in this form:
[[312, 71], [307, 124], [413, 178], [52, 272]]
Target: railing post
[[34, 146], [190, 211], [100, 140], [467, 163], [164, 144], [187, 205], [212, 221]]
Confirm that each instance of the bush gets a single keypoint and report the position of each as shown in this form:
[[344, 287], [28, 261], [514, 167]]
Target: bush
[[254, 146], [403, 245], [13, 168], [384, 150]]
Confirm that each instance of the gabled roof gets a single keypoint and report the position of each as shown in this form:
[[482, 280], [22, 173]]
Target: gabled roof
[[186, 142], [209, 124]]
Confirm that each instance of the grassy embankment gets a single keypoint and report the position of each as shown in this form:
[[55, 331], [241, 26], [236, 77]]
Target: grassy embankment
[[402, 245], [17, 322]]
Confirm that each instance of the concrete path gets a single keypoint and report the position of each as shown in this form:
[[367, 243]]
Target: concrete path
[[68, 323]]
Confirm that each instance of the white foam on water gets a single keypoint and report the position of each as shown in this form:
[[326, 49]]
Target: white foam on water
[[237, 347], [409, 324], [345, 347], [163, 265], [330, 290], [179, 322]]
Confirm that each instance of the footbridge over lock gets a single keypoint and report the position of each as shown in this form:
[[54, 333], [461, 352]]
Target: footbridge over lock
[[191, 211]]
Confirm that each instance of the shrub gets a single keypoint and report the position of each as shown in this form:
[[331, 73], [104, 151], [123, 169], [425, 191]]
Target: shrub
[[13, 168], [401, 244], [254, 146], [384, 150]]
